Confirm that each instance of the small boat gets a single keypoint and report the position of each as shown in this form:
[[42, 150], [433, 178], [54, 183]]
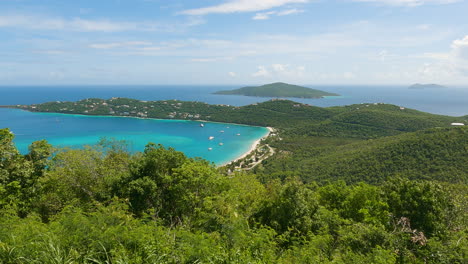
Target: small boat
[[211, 138], [221, 143], [210, 149], [238, 134], [222, 131], [202, 125]]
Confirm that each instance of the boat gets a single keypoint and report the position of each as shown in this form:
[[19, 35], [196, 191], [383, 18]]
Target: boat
[[202, 125], [221, 143], [237, 134], [211, 138], [210, 149], [222, 131]]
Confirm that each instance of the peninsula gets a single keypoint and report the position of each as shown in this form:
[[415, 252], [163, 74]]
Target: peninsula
[[419, 86], [278, 89]]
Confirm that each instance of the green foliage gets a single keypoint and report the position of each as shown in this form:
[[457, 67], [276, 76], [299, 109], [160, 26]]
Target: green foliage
[[278, 90], [313, 202], [437, 154]]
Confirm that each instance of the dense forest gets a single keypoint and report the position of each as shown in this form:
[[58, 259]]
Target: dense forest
[[368, 183]]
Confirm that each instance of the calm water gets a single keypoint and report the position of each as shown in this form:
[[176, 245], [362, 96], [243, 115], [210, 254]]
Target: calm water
[[186, 136]]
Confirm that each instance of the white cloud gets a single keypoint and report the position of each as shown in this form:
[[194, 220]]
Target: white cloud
[[262, 72], [288, 12], [37, 22], [263, 16], [447, 65], [280, 71], [411, 3], [236, 6], [75, 24], [279, 67], [460, 48], [266, 15], [211, 59], [119, 44], [232, 74]]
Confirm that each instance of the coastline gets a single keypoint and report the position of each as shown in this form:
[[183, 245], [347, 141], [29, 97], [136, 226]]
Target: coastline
[[252, 148], [136, 117]]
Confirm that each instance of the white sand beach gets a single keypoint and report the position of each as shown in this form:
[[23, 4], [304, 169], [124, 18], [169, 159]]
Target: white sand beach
[[253, 147]]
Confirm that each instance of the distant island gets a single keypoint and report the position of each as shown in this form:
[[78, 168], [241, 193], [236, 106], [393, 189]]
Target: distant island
[[278, 89], [426, 86]]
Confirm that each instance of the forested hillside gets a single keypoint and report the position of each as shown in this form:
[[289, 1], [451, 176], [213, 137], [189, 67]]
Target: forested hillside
[[102, 204], [367, 183], [437, 154]]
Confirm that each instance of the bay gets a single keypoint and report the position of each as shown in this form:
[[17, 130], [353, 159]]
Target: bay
[[187, 136]]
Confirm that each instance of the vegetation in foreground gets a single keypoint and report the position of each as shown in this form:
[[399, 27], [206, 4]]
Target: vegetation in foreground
[[103, 205]]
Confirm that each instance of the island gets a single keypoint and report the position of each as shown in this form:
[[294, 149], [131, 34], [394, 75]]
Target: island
[[362, 183], [419, 86], [278, 89]]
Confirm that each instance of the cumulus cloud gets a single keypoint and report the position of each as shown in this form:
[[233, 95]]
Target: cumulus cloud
[[410, 3], [280, 70], [447, 65], [460, 48], [237, 6], [261, 72], [232, 74]]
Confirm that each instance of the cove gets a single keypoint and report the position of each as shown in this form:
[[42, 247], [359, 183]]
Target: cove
[[62, 130]]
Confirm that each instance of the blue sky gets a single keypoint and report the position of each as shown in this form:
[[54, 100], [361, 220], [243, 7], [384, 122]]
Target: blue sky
[[233, 41]]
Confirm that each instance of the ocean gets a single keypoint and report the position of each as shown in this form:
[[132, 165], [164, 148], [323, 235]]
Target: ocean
[[451, 101], [187, 136]]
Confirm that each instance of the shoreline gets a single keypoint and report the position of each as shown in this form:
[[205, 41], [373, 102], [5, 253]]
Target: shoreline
[[252, 148], [142, 118]]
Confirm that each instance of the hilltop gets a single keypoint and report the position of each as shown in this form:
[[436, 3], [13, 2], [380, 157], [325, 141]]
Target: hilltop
[[426, 86], [278, 89]]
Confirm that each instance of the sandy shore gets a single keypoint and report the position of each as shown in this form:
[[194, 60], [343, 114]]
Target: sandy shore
[[253, 147]]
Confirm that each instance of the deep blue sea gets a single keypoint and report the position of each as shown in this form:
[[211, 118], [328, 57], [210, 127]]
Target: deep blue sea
[[187, 136]]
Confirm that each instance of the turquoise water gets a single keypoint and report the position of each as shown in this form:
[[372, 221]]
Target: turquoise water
[[186, 136]]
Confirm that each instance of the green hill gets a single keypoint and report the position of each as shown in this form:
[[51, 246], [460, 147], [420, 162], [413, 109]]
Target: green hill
[[278, 89], [436, 154], [426, 86]]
